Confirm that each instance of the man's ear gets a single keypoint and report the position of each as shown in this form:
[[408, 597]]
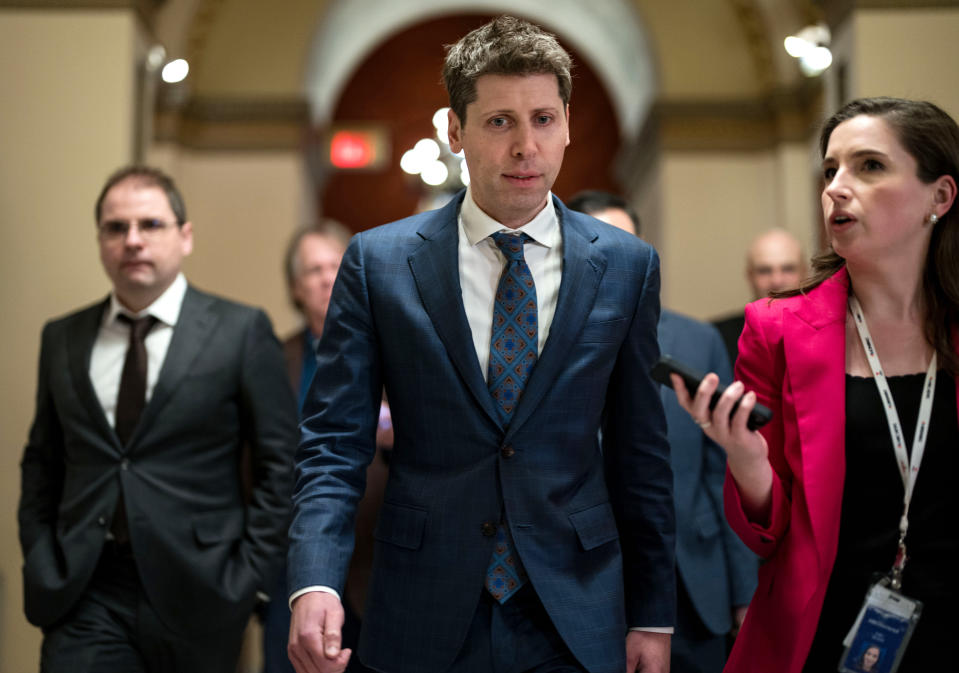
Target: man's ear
[[454, 131], [567, 125], [186, 238]]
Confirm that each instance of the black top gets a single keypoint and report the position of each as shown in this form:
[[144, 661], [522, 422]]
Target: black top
[[869, 522], [730, 328]]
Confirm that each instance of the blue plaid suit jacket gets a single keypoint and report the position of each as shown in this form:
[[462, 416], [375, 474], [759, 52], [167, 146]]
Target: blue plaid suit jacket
[[594, 525]]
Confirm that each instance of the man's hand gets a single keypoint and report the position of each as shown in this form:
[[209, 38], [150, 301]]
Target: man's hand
[[315, 634], [647, 652]]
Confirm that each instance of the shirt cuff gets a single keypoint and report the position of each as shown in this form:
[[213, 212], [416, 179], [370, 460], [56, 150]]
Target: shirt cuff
[[654, 629], [308, 590]]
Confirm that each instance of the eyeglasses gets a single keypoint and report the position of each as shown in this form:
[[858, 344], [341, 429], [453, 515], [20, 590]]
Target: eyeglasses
[[148, 228]]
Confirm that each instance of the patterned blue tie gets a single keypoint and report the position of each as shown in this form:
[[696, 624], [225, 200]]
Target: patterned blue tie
[[512, 355]]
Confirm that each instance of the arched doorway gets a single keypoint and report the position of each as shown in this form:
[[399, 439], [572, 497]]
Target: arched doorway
[[397, 88]]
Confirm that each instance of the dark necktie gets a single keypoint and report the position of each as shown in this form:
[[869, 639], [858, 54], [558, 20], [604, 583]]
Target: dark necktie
[[131, 398], [512, 355]]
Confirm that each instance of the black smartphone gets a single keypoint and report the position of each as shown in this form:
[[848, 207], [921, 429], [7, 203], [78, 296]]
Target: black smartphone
[[667, 365]]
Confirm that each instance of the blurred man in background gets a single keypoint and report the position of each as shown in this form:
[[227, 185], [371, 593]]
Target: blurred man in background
[[311, 264], [716, 573], [774, 261]]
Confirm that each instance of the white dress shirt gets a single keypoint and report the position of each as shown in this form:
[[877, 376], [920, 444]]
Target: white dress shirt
[[481, 264], [113, 339]]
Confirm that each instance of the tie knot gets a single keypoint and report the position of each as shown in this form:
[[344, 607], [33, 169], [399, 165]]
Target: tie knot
[[139, 327], [511, 245]]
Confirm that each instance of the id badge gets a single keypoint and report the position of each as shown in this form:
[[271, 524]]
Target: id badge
[[879, 637]]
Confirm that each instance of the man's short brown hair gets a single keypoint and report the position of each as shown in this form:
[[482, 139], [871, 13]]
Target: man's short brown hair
[[148, 176], [504, 46]]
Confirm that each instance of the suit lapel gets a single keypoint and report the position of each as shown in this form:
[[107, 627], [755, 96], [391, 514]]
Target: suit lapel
[[79, 349], [435, 269], [814, 338], [190, 336], [582, 271]]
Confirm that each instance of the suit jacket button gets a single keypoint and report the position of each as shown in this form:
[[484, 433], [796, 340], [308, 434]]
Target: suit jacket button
[[124, 464], [102, 521], [507, 452], [489, 529]]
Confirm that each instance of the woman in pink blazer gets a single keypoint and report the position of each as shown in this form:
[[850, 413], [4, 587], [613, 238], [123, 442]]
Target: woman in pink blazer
[[817, 492]]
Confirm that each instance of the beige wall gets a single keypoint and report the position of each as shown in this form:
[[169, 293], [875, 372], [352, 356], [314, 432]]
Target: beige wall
[[66, 122], [908, 53], [712, 204], [244, 207]]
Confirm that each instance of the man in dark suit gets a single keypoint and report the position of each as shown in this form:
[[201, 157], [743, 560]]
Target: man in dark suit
[[774, 261], [143, 549], [716, 573], [508, 332]]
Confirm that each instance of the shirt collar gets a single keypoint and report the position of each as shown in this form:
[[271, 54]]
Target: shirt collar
[[544, 228], [166, 308]]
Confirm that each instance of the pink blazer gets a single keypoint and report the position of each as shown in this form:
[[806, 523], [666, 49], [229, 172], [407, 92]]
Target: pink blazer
[[792, 353]]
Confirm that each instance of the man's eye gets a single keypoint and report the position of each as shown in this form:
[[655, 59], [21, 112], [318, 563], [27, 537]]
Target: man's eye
[[872, 165], [544, 119], [152, 225], [498, 122], [114, 227], [829, 173]]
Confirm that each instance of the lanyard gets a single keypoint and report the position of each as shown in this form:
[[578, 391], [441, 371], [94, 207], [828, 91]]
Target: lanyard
[[908, 468]]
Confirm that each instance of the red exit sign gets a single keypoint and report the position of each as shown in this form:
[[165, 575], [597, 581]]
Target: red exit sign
[[357, 148]]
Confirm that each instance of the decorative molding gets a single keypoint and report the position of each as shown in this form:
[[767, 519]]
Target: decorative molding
[[724, 126], [609, 33], [198, 33], [145, 8], [756, 32], [836, 12], [233, 124]]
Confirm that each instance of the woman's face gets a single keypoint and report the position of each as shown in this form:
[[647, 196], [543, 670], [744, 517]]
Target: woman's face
[[874, 204], [870, 657]]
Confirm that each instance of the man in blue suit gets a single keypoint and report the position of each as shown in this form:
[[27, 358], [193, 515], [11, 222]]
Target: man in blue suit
[[508, 332], [716, 572]]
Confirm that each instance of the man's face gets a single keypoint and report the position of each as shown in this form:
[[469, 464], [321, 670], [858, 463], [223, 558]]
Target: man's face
[[775, 263], [315, 266], [514, 138], [144, 261]]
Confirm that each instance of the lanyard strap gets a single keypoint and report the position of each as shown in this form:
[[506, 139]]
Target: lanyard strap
[[908, 465]]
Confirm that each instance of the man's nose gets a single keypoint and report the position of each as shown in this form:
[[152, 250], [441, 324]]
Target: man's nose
[[133, 237], [524, 142]]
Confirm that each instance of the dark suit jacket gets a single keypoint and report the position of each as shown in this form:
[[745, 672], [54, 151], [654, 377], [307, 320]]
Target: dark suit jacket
[[716, 568], [202, 551], [594, 528], [730, 328]]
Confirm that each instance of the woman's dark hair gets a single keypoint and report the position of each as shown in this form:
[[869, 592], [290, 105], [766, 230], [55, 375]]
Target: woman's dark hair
[[931, 137]]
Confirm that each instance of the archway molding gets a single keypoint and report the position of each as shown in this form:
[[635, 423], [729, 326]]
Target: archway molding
[[607, 32]]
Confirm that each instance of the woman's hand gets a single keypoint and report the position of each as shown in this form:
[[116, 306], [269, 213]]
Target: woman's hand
[[747, 453]]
